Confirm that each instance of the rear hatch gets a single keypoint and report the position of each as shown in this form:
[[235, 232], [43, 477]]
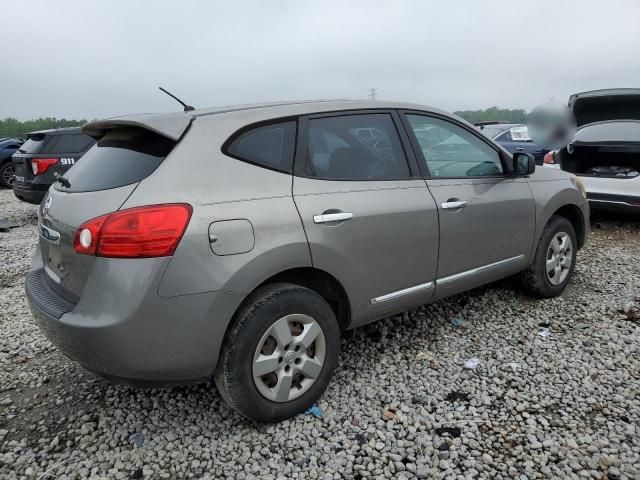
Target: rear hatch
[[108, 173], [37, 145], [606, 149], [605, 105], [607, 143], [45, 154]]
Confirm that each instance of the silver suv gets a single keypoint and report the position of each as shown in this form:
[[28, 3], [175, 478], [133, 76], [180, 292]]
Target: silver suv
[[240, 242]]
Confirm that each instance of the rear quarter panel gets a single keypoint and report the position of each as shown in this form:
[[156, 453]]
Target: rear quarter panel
[[223, 188]]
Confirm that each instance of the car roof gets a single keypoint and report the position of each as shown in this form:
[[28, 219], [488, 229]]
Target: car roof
[[173, 125], [502, 127], [56, 131]]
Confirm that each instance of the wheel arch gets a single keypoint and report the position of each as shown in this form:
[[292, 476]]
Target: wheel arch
[[321, 282], [574, 215]]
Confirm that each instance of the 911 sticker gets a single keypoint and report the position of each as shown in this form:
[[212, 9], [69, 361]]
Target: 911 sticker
[[67, 161]]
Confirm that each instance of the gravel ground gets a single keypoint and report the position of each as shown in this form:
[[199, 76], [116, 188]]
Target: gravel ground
[[402, 404]]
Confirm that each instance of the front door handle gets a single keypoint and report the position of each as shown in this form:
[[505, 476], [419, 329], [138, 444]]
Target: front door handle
[[454, 204], [332, 217]]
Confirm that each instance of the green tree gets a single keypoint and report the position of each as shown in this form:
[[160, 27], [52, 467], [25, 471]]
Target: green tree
[[11, 127], [494, 114]]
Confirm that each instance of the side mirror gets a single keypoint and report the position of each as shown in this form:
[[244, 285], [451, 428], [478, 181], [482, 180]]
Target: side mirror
[[523, 164]]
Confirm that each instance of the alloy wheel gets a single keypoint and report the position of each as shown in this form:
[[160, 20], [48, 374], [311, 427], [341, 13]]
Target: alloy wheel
[[8, 176]]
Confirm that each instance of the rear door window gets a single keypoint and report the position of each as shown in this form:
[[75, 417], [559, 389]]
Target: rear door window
[[356, 147], [269, 146], [122, 157]]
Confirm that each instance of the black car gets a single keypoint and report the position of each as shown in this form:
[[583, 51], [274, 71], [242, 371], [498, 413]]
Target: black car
[[44, 156], [8, 147]]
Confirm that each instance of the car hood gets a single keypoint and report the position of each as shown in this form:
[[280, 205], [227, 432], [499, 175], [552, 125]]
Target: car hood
[[604, 105]]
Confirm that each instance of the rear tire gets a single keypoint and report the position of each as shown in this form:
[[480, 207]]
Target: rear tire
[[554, 260], [279, 353], [6, 175]]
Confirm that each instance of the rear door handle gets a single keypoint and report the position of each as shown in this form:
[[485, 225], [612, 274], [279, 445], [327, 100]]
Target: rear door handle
[[332, 217], [454, 204]]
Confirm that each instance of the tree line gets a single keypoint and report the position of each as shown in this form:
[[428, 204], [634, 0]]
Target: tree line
[[494, 114], [12, 127]]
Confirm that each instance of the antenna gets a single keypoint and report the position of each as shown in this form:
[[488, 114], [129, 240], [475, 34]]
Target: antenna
[[187, 108], [373, 91]]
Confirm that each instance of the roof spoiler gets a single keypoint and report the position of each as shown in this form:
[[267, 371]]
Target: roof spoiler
[[172, 125]]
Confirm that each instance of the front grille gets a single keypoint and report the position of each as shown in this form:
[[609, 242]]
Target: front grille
[[44, 298]]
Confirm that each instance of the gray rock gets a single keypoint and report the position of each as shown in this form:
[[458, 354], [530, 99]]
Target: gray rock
[[568, 409]]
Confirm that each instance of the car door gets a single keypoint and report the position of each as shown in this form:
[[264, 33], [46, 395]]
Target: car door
[[487, 218], [369, 219]]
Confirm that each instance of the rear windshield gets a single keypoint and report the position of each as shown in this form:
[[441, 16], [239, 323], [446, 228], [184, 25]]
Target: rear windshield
[[492, 132], [72, 143], [57, 144], [122, 157], [609, 132], [35, 144]]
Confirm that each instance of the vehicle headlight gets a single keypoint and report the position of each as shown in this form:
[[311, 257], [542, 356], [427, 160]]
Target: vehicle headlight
[[579, 185]]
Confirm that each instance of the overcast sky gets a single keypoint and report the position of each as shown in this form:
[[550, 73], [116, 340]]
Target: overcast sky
[[91, 59]]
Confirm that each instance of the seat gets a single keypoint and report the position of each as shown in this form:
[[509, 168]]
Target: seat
[[348, 163]]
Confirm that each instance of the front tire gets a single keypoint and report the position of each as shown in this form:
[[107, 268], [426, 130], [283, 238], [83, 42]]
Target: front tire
[[279, 353], [554, 260]]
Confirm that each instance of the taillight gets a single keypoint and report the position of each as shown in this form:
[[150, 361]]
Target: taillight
[[549, 158], [41, 165], [140, 232]]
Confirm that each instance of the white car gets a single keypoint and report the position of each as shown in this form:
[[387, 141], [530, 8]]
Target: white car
[[605, 152]]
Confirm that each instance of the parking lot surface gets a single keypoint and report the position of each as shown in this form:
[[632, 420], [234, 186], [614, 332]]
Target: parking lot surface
[[551, 389]]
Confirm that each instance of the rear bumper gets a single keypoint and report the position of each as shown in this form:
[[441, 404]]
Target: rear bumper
[[30, 195], [613, 202], [139, 337]]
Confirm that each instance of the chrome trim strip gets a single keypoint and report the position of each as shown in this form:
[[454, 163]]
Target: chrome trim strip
[[475, 271], [402, 293], [611, 201], [49, 234]]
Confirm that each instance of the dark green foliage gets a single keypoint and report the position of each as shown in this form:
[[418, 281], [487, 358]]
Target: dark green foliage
[[494, 113], [11, 127]]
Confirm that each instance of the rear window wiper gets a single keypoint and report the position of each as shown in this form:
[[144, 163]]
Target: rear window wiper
[[62, 181]]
